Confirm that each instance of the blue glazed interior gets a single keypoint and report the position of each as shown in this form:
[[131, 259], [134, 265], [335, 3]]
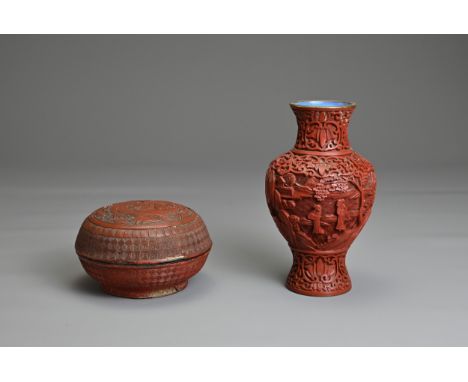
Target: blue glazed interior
[[322, 103]]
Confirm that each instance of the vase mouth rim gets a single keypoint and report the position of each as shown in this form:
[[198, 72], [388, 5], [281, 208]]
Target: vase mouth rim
[[322, 104]]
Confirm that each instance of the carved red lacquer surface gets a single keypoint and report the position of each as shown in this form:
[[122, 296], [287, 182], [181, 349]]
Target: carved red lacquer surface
[[143, 248], [320, 195]]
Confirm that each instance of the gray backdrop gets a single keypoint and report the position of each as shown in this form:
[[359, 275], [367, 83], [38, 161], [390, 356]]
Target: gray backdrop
[[89, 120]]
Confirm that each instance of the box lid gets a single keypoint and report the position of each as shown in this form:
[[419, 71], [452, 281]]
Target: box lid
[[142, 232]]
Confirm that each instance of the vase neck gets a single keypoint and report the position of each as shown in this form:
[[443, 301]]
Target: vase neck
[[322, 129]]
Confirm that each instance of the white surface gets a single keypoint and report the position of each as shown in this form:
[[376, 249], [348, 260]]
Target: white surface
[[409, 266]]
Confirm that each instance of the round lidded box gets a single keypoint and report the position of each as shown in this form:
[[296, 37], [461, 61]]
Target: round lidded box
[[143, 248]]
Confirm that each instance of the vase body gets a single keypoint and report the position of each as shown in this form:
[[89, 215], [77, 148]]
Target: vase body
[[320, 195]]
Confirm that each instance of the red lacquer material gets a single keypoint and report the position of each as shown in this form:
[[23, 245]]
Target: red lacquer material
[[143, 248], [320, 195]]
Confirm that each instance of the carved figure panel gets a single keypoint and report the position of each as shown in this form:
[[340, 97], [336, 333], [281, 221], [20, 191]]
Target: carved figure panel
[[332, 198]]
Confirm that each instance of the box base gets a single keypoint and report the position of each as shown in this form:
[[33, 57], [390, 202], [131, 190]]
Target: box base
[[143, 292]]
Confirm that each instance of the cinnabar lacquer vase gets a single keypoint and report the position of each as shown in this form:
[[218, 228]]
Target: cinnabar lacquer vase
[[320, 194]]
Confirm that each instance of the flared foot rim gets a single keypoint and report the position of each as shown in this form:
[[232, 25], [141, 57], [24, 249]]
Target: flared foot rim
[[312, 293]]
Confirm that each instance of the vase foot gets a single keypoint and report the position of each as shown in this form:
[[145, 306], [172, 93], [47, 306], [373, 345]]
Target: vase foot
[[317, 293], [319, 275], [143, 292]]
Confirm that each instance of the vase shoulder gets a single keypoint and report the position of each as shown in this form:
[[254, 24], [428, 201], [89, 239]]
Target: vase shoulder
[[311, 163]]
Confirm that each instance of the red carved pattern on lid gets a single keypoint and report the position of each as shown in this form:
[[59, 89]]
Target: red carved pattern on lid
[[142, 214]]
